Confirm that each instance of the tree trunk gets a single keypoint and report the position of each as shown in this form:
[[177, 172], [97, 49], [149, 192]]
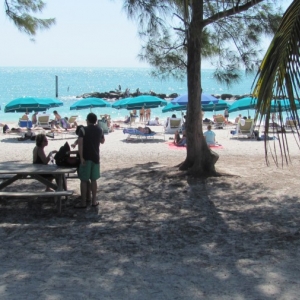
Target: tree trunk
[[200, 160]]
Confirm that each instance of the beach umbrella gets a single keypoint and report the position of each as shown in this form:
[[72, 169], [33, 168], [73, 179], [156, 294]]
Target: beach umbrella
[[250, 103], [144, 101], [243, 104], [205, 99], [89, 103], [220, 105], [27, 104], [52, 102], [173, 107]]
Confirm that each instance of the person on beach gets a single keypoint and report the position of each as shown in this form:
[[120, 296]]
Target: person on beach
[[145, 130], [89, 140], [142, 113], [153, 122], [147, 114], [39, 156], [210, 136], [25, 117], [34, 118], [226, 114], [55, 124], [180, 141], [133, 114], [168, 119]]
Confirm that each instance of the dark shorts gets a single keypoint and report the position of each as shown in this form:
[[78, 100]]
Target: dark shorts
[[90, 171]]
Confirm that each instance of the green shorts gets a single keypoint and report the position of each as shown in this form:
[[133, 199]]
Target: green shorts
[[90, 171]]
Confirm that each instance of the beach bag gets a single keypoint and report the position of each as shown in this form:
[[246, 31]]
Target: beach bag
[[62, 159]]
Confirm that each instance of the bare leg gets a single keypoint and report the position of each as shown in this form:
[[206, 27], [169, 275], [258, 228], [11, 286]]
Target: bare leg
[[83, 188], [94, 192]]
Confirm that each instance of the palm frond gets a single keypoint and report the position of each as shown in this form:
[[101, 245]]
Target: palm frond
[[278, 75]]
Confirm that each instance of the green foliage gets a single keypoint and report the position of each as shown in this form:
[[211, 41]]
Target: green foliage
[[20, 12], [278, 75], [232, 31]]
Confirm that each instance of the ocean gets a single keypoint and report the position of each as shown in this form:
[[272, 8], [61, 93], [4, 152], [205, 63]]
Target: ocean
[[16, 82]]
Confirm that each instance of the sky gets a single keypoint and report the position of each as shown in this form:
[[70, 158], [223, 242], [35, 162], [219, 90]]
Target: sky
[[88, 33]]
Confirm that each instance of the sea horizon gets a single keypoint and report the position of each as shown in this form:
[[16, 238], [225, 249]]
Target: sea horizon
[[17, 82]]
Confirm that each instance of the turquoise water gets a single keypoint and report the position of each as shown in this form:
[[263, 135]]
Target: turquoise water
[[40, 82]]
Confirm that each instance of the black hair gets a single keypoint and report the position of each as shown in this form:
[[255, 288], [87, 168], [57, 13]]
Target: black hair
[[148, 129], [40, 139], [92, 118], [173, 116], [55, 112]]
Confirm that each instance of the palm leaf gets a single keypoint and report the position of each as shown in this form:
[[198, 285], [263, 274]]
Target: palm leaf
[[278, 75]]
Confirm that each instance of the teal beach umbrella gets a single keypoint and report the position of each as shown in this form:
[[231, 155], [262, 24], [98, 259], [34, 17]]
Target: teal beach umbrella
[[27, 104], [173, 107], [144, 101], [220, 105], [89, 103], [243, 104]]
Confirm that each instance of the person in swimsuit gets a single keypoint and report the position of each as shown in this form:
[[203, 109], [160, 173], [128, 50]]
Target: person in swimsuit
[[39, 156]]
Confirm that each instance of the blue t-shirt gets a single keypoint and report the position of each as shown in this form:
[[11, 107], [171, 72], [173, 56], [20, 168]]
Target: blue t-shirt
[[210, 137]]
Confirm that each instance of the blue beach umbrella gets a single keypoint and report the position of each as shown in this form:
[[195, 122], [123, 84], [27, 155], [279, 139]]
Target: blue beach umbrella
[[205, 99], [144, 101], [27, 104], [89, 103]]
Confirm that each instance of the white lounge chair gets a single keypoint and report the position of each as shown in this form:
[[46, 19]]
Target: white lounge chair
[[43, 121], [244, 128], [173, 125]]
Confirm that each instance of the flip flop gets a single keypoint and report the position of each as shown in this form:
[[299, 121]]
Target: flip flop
[[94, 205], [79, 206]]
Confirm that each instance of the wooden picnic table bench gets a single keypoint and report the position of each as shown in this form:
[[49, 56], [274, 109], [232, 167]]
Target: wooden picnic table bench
[[35, 171]]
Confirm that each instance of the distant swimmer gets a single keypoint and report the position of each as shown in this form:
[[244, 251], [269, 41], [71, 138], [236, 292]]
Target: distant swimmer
[[68, 88]]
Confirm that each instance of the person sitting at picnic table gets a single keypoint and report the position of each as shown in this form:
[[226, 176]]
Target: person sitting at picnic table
[[180, 141], [39, 156], [210, 136]]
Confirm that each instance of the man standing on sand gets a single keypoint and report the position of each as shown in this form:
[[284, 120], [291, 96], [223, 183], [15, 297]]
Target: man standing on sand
[[89, 140]]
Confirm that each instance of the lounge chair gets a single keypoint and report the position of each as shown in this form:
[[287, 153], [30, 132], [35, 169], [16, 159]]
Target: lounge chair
[[138, 134], [72, 119], [244, 128], [219, 121], [103, 125], [174, 124], [25, 123], [291, 124], [43, 121]]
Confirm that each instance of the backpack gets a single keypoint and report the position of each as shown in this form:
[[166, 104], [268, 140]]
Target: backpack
[[62, 159]]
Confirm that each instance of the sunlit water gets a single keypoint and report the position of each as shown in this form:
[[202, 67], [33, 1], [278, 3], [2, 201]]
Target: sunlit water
[[72, 82]]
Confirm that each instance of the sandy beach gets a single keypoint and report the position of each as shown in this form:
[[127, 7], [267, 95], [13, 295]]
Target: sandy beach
[[157, 234]]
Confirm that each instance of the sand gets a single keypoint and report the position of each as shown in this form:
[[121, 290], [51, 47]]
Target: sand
[[156, 233]]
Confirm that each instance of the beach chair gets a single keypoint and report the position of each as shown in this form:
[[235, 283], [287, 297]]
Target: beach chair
[[219, 121], [244, 128], [25, 123], [72, 119], [138, 134], [291, 124], [174, 124], [44, 121], [103, 125]]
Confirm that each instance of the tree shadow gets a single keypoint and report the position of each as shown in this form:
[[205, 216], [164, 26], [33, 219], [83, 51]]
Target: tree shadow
[[157, 234]]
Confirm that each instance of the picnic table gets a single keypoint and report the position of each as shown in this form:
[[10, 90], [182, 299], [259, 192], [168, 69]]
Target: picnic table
[[35, 171]]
